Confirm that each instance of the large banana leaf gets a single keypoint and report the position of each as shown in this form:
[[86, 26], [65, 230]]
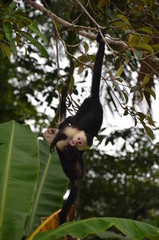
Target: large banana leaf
[[18, 175], [134, 230], [52, 184]]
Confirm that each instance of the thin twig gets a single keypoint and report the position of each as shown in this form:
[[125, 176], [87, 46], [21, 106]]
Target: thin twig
[[92, 19]]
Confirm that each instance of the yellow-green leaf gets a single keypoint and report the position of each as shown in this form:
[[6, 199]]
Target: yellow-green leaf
[[125, 19], [119, 71], [1, 36], [81, 68], [145, 80], [134, 39], [6, 50], [155, 47], [101, 3], [149, 132], [86, 47], [151, 92], [146, 29], [119, 79], [143, 46], [130, 38]]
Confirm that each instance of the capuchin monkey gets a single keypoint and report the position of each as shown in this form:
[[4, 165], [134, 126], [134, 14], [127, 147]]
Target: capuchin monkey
[[80, 129], [73, 166], [76, 133], [70, 157]]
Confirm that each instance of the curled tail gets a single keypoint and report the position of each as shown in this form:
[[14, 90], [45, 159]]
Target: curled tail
[[97, 68]]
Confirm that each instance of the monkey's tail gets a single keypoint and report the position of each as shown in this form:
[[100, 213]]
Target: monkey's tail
[[74, 188], [97, 67]]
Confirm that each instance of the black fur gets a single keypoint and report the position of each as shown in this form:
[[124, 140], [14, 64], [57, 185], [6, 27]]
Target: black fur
[[88, 118], [73, 166]]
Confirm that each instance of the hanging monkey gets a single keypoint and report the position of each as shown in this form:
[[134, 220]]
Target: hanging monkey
[[80, 129], [76, 133]]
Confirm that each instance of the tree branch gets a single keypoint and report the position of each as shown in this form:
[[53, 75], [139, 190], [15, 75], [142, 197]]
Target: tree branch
[[77, 28]]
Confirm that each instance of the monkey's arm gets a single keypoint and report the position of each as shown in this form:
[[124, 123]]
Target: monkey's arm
[[67, 121], [59, 137]]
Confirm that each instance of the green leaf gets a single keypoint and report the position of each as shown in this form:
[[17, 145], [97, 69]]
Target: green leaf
[[38, 45], [150, 120], [155, 47], [151, 92], [18, 176], [86, 47], [111, 235], [149, 132], [128, 56], [137, 54], [119, 79], [52, 185], [8, 29], [134, 230], [81, 68], [12, 6], [101, 3], [82, 58], [146, 29], [6, 50], [126, 112], [144, 46], [119, 71], [9, 10], [125, 96], [141, 115], [134, 89], [33, 27], [145, 80], [22, 19], [1, 36], [125, 19]]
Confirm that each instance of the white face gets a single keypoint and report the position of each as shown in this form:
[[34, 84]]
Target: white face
[[80, 141], [50, 134]]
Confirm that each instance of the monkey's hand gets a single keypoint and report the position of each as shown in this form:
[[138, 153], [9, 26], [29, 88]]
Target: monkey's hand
[[50, 134]]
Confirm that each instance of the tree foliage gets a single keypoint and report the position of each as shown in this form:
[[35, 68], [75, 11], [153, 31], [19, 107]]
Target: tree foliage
[[35, 39], [132, 44]]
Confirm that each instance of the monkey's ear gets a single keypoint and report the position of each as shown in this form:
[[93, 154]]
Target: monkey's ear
[[72, 143]]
